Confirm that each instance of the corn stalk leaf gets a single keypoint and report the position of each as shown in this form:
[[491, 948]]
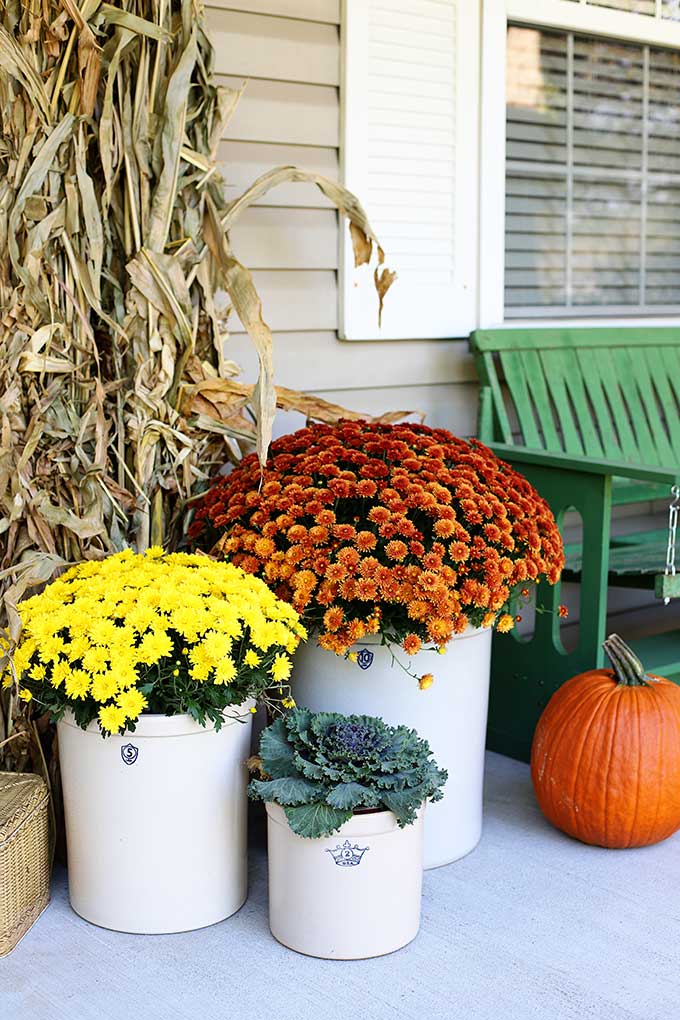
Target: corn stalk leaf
[[15, 63], [136, 25]]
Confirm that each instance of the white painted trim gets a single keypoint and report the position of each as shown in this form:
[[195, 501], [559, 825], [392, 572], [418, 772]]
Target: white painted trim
[[566, 16], [455, 315], [467, 154], [492, 164], [669, 321], [354, 29], [571, 17]]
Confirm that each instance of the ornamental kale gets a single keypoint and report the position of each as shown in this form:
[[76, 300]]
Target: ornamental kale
[[322, 768]]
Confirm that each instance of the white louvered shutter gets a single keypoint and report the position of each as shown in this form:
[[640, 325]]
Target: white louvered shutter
[[410, 144]]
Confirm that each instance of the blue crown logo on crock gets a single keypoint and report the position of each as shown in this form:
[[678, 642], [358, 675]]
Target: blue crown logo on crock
[[364, 658], [129, 753], [346, 855]]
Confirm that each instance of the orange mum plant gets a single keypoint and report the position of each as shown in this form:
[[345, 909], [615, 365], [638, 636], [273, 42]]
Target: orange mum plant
[[401, 530]]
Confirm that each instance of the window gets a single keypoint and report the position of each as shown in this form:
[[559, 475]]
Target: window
[[542, 182], [580, 208], [592, 186]]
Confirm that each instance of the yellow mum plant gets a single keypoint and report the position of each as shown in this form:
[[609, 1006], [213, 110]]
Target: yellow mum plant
[[160, 633]]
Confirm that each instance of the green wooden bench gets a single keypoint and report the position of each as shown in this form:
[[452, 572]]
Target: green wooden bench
[[592, 418]]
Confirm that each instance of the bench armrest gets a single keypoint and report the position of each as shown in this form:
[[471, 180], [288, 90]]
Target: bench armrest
[[587, 465]]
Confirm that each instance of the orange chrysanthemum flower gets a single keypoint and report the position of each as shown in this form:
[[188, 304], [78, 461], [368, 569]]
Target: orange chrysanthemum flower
[[439, 630], [417, 609], [325, 517], [379, 515], [366, 488], [367, 590], [333, 618], [412, 644], [400, 529], [349, 557], [396, 550], [345, 532], [365, 541], [336, 572]]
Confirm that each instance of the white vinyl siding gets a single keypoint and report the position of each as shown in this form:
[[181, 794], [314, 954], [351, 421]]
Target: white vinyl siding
[[592, 176], [288, 52]]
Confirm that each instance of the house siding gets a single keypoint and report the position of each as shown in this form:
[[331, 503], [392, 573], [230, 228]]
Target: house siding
[[288, 51]]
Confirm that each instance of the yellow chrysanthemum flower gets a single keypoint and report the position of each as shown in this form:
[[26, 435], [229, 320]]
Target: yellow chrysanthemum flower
[[61, 671], [96, 660], [22, 658], [125, 671], [154, 646], [225, 671], [77, 683], [51, 649], [281, 668], [216, 645], [132, 703], [104, 686], [111, 718], [77, 647]]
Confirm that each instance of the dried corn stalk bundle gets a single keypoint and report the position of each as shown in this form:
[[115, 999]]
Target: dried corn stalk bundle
[[116, 400]]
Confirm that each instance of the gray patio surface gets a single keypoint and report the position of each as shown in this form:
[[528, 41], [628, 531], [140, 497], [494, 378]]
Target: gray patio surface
[[532, 925]]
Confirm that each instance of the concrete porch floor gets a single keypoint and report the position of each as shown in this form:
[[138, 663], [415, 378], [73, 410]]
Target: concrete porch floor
[[532, 926]]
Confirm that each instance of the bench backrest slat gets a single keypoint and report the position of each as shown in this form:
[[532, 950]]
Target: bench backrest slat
[[611, 394], [666, 375]]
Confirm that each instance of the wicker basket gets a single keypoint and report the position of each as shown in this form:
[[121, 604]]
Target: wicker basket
[[24, 855]]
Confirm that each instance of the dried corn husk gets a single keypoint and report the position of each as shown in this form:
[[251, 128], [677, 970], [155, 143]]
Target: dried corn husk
[[114, 249]]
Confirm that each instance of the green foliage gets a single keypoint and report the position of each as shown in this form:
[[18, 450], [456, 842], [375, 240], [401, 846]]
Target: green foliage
[[322, 767]]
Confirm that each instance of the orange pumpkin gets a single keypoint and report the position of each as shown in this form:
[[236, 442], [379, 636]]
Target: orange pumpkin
[[605, 759]]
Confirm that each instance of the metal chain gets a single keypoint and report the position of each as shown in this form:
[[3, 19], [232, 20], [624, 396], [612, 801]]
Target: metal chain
[[673, 510]]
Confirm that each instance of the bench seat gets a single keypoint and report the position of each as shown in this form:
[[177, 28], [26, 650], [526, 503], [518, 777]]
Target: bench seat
[[639, 553], [592, 418], [625, 492]]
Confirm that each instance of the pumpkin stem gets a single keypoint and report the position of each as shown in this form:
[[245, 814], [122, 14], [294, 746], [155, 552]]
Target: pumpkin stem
[[628, 669]]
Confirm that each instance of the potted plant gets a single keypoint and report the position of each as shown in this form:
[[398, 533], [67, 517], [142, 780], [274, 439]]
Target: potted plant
[[345, 799], [150, 664], [394, 542]]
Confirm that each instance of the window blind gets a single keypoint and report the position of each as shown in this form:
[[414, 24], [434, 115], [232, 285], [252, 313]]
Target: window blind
[[592, 176]]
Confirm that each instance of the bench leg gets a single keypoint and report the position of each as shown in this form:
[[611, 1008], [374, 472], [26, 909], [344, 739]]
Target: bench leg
[[525, 673]]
